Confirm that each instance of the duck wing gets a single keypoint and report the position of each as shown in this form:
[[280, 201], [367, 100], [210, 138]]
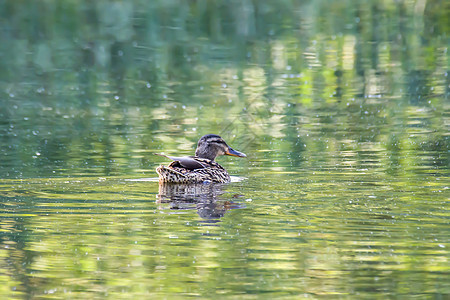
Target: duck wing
[[186, 161]]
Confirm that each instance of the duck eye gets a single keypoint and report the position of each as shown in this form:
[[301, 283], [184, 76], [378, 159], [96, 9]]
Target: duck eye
[[217, 142]]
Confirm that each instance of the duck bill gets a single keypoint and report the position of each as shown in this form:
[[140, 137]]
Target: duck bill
[[233, 152]]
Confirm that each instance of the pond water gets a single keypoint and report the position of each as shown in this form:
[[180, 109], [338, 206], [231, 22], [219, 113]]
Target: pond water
[[341, 107]]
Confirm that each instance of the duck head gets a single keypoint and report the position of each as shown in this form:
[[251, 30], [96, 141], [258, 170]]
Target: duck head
[[211, 145]]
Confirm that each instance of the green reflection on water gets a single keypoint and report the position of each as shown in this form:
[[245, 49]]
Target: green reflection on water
[[341, 107]]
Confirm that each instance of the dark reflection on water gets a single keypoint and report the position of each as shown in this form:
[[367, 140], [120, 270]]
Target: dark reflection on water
[[207, 199]]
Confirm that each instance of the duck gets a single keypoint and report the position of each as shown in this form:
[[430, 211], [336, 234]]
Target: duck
[[201, 168]]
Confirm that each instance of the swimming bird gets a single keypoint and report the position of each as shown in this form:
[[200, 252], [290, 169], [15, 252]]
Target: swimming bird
[[199, 168]]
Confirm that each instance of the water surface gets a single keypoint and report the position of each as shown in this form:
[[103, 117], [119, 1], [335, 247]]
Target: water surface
[[341, 107]]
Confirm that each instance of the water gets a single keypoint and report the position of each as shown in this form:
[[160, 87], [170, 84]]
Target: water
[[341, 108]]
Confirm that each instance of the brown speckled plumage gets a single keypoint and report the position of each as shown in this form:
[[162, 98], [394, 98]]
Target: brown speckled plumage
[[175, 173]]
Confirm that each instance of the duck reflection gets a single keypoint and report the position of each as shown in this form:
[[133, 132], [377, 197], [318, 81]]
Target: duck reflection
[[208, 199]]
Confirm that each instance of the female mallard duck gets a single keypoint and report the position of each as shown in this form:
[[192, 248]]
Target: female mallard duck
[[201, 167]]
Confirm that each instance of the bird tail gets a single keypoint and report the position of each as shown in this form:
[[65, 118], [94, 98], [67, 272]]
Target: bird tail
[[170, 175]]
